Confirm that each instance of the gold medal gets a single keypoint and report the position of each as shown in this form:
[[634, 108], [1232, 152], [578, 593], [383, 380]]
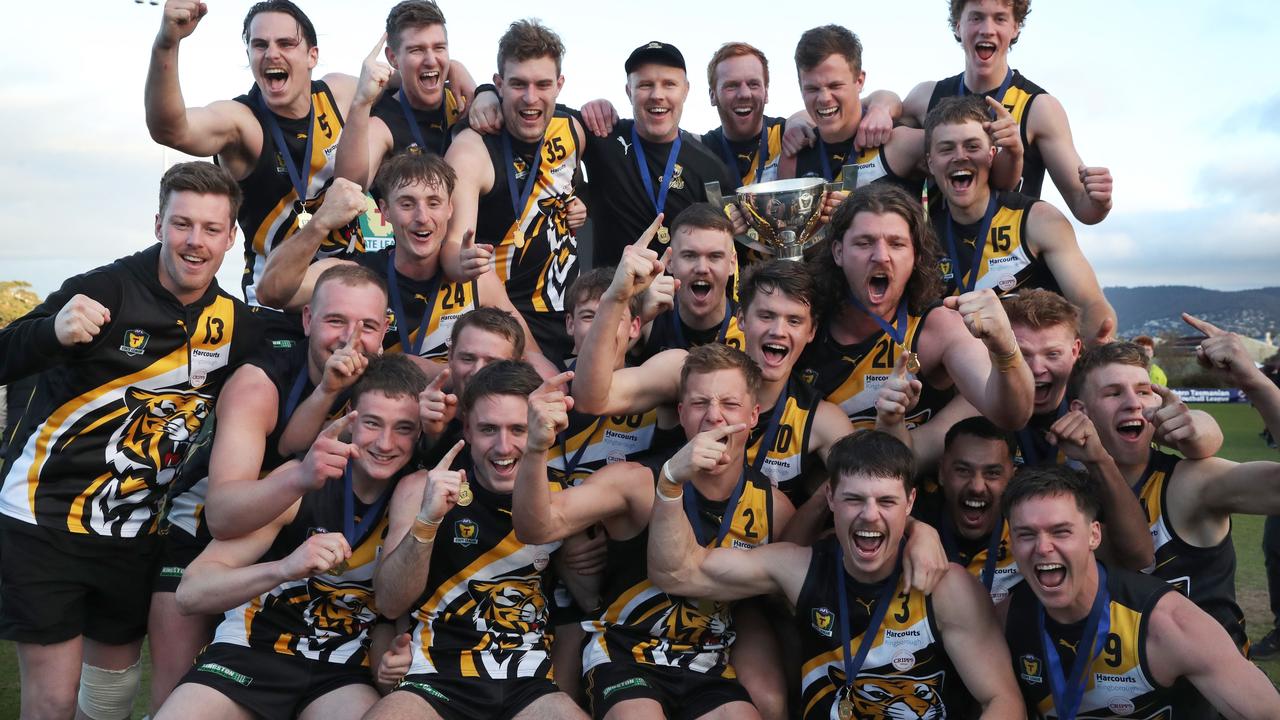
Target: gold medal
[[339, 569], [304, 217], [664, 235], [465, 495], [913, 363], [518, 239], [845, 709]]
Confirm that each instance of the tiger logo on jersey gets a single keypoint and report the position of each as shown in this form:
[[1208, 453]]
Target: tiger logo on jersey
[[892, 697], [341, 610], [695, 622], [155, 436], [509, 608]]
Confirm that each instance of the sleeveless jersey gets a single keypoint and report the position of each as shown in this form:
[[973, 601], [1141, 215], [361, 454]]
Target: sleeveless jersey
[[592, 442], [851, 375], [642, 624], [1007, 261], [324, 618], [484, 612], [103, 433], [450, 302], [872, 165], [269, 213], [435, 126], [745, 153], [1033, 447], [540, 268], [1207, 575], [664, 336], [1119, 681], [906, 670], [1017, 100], [785, 463]]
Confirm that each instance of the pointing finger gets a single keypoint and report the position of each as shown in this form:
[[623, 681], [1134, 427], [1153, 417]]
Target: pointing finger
[[438, 382], [996, 105], [339, 426], [646, 236], [1167, 396], [666, 258], [468, 238], [721, 433], [377, 49], [446, 462], [1203, 326], [554, 383], [900, 366]]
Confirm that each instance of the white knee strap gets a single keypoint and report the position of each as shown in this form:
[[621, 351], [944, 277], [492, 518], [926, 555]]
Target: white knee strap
[[108, 694]]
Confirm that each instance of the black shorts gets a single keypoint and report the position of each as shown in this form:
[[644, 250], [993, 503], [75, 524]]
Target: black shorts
[[683, 694], [269, 684], [55, 585], [456, 698], [177, 549]]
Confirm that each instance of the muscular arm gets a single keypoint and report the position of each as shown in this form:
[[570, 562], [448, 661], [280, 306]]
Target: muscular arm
[[238, 502], [541, 516], [1052, 238], [806, 524], [470, 160], [283, 278], [972, 638], [226, 574], [681, 566], [916, 106], [1183, 641], [1128, 538], [1049, 130], [1006, 398], [401, 575], [829, 425], [202, 132], [364, 142]]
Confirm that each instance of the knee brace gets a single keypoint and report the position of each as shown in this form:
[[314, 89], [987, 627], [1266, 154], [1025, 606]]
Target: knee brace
[[108, 694]]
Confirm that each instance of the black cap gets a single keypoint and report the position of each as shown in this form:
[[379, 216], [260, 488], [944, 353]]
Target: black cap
[[655, 52]]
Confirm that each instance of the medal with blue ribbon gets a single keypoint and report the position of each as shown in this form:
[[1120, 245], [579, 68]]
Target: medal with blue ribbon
[[693, 510], [354, 533], [520, 195], [299, 177], [397, 307], [853, 665], [411, 119], [1068, 691], [967, 278], [771, 430], [659, 196]]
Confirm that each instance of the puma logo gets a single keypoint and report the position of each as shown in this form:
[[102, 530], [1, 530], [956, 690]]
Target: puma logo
[[626, 146]]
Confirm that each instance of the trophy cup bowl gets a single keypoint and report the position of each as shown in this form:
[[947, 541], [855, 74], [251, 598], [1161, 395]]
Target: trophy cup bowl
[[782, 215]]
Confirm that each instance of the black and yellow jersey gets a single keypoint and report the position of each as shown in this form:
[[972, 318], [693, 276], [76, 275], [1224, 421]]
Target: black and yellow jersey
[[484, 612], [326, 617], [1007, 263], [449, 301], [787, 461], [592, 442], [1017, 100], [931, 507], [642, 624], [744, 155], [1207, 575], [269, 213], [670, 332], [1119, 683], [535, 253], [851, 376], [104, 432], [906, 669], [872, 164], [436, 129]]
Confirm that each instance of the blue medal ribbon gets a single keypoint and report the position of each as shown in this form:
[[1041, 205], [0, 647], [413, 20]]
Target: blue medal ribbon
[[659, 197], [393, 293], [897, 331], [295, 393], [771, 430], [948, 532], [412, 121], [961, 90], [520, 196], [677, 325], [356, 533], [1028, 443], [826, 161], [1068, 692], [571, 463], [300, 178], [693, 510], [979, 245], [762, 156], [853, 665]]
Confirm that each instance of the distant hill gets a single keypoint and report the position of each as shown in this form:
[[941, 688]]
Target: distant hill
[[1152, 310]]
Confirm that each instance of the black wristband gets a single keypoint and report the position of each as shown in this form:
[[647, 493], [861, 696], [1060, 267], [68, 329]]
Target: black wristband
[[487, 87]]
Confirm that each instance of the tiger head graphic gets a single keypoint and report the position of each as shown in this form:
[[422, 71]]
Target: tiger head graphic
[[891, 697], [694, 622], [339, 611], [155, 436], [509, 606]]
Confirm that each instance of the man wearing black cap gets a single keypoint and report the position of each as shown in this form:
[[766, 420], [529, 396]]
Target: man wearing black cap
[[648, 165]]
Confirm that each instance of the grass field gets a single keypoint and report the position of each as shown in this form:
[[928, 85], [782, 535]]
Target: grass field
[[1239, 424]]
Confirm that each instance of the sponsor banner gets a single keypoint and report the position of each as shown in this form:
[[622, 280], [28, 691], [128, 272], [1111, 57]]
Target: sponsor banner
[[1211, 395]]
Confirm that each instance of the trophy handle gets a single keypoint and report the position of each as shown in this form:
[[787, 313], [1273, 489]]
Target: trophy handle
[[849, 178], [715, 197]]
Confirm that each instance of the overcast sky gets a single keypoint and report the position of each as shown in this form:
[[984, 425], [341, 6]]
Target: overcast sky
[[1172, 96]]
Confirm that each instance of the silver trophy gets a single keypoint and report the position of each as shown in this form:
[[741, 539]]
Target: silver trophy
[[782, 215]]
